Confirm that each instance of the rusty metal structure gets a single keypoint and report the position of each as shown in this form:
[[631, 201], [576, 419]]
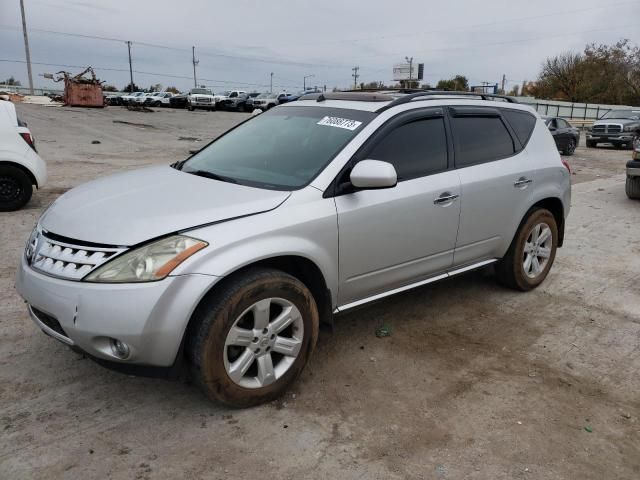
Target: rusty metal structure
[[81, 90]]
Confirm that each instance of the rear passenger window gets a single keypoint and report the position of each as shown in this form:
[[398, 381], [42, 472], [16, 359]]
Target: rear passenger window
[[415, 149], [480, 139], [521, 122]]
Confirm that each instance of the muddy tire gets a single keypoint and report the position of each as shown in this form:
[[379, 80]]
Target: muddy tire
[[532, 252], [632, 187], [15, 188], [249, 339]]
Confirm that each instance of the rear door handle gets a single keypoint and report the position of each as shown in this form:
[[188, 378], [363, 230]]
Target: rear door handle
[[446, 197], [522, 182]]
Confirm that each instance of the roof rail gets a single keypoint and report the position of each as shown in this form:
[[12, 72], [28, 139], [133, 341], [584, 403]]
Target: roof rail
[[438, 93], [353, 96]]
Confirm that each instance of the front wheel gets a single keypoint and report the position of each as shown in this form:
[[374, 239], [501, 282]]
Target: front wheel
[[190, 108], [249, 340], [532, 252], [15, 188]]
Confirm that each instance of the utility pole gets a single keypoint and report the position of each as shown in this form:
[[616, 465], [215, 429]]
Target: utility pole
[[304, 82], [130, 67], [195, 62], [355, 77], [26, 47], [410, 62], [271, 83], [504, 79]]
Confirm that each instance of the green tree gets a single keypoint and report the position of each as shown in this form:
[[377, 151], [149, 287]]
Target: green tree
[[109, 88], [12, 81], [458, 83], [172, 90], [131, 88]]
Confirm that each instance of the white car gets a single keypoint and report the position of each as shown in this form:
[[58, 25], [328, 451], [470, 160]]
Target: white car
[[200, 98], [20, 165], [130, 98], [142, 99], [158, 99]]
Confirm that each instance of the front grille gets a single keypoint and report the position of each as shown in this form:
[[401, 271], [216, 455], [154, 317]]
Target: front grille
[[67, 260], [203, 100], [49, 321], [607, 128]]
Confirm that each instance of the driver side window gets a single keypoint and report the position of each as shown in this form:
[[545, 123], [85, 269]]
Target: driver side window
[[416, 149]]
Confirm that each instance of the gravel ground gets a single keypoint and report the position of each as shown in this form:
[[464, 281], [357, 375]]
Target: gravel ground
[[474, 382]]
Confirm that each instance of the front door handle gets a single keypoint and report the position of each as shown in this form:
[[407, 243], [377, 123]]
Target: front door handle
[[446, 197], [522, 182]]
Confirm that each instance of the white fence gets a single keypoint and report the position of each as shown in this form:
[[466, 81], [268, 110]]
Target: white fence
[[584, 111]]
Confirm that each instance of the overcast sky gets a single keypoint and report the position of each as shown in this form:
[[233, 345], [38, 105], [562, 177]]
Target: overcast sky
[[240, 42]]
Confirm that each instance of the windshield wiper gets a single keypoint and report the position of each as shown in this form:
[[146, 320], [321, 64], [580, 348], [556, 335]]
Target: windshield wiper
[[214, 176]]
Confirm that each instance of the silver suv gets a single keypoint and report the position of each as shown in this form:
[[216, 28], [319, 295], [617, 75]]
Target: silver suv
[[226, 263]]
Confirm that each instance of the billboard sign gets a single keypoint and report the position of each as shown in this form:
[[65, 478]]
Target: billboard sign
[[401, 71]]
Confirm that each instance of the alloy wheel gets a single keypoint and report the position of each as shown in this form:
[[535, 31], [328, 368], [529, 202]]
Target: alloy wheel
[[263, 343], [537, 250]]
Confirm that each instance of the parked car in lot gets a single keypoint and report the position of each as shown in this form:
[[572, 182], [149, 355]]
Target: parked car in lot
[[178, 101], [309, 209], [617, 127], [21, 168], [566, 136], [220, 99], [158, 99], [200, 98], [632, 185], [130, 98], [265, 101], [248, 104], [235, 101]]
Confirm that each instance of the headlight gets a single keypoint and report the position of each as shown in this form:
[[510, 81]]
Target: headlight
[[32, 245], [148, 263], [629, 128]]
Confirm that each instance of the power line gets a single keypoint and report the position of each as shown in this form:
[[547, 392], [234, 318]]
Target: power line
[[167, 75]]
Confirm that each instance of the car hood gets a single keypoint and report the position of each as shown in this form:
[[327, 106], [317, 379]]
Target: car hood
[[131, 207], [621, 121]]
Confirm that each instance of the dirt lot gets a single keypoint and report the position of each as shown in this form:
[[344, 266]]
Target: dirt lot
[[475, 381]]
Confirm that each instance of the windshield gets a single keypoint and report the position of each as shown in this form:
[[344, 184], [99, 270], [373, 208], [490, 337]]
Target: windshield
[[202, 91], [282, 149], [628, 114], [266, 95]]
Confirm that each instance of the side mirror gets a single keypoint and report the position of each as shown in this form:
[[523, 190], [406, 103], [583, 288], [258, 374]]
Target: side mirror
[[552, 129], [370, 174]]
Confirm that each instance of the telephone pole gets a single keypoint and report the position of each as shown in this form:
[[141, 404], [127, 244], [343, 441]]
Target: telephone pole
[[355, 77], [26, 47], [195, 62], [504, 79], [271, 83], [130, 67]]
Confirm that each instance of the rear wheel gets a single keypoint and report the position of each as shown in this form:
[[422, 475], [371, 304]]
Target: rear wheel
[[15, 188], [570, 148], [532, 252], [190, 108], [250, 339], [635, 141], [632, 187]]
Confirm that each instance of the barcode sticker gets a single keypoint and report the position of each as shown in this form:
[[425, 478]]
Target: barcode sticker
[[338, 122]]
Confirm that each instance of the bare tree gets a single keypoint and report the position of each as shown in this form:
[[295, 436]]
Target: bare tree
[[563, 75]]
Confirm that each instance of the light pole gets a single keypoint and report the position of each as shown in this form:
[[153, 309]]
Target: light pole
[[410, 62], [26, 47], [271, 84], [304, 82]]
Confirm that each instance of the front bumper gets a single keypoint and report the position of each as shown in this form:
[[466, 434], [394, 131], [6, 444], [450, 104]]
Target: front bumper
[[633, 167], [624, 137], [149, 317]]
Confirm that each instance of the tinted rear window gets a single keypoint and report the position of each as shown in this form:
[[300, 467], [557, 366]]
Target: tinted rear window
[[480, 139], [521, 122]]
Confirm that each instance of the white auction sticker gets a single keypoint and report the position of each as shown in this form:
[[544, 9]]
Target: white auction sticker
[[340, 123]]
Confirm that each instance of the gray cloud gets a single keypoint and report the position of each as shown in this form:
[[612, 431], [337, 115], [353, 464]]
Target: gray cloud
[[240, 42]]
